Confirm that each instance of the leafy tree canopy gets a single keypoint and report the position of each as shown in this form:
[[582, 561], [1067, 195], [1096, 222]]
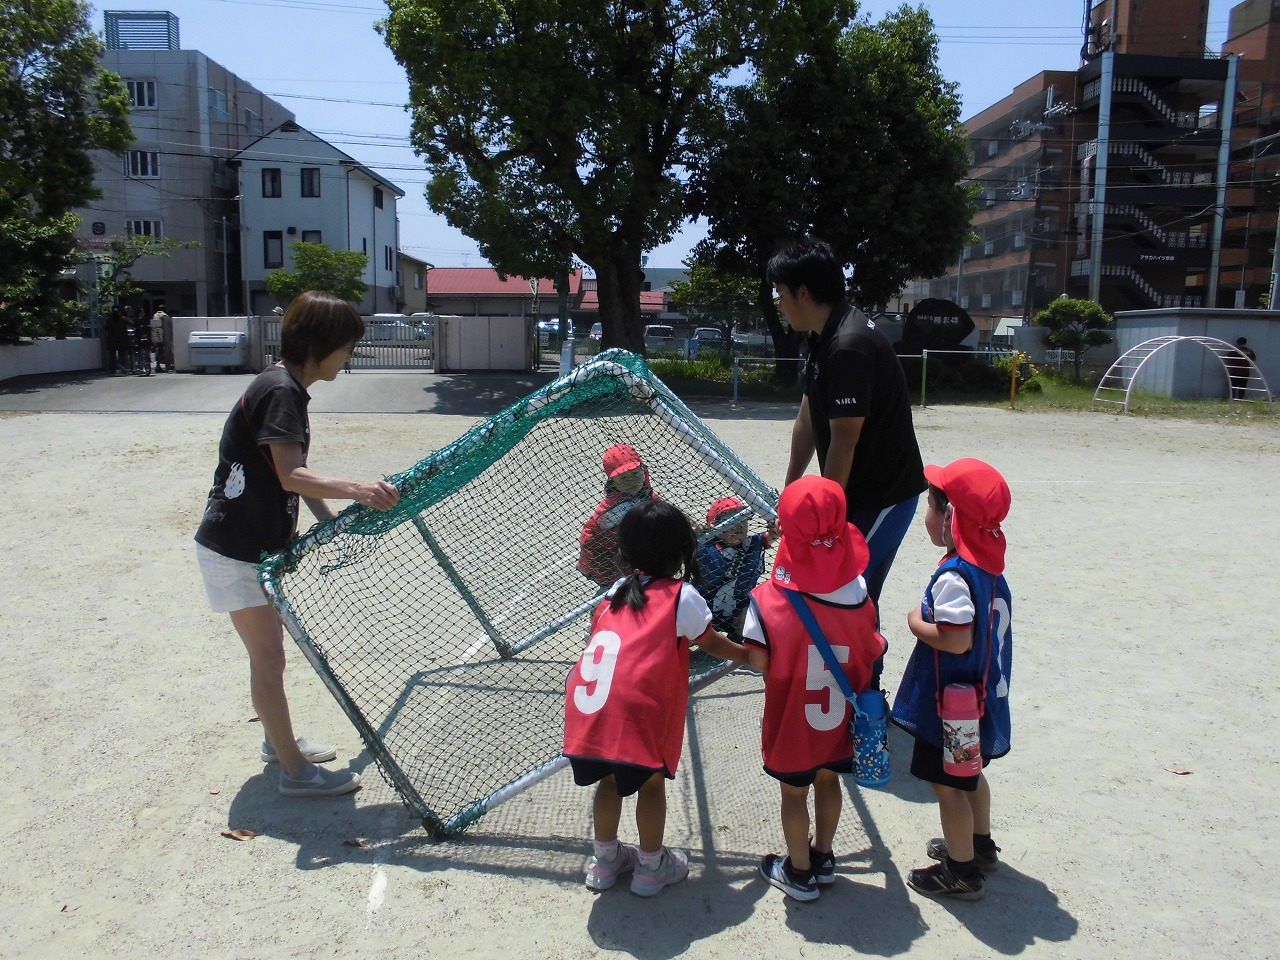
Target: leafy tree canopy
[[115, 266], [317, 266], [857, 142], [560, 128], [56, 105], [714, 296], [1075, 325]]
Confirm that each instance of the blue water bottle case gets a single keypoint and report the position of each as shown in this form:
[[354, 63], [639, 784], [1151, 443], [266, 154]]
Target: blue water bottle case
[[870, 726], [870, 740]]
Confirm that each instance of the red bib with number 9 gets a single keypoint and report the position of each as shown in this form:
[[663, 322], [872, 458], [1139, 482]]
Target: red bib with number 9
[[626, 697]]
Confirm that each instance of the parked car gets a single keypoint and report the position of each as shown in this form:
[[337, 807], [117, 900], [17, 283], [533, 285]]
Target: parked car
[[659, 336], [389, 327], [597, 331], [424, 325], [709, 339], [548, 330]]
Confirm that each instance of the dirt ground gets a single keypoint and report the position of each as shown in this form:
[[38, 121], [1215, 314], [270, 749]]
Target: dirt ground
[[1141, 560]]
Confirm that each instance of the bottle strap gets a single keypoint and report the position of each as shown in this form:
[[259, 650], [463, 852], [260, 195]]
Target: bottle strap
[[986, 669], [820, 641]]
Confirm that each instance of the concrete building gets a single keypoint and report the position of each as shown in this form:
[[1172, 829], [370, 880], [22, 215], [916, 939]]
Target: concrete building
[[413, 283], [1114, 182], [296, 186], [190, 116], [1254, 36]]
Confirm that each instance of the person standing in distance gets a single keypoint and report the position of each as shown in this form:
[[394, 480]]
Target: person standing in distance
[[855, 413]]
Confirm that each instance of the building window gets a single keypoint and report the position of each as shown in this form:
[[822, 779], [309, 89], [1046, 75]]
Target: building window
[[417, 279], [142, 94], [1015, 297], [218, 105], [964, 302], [986, 300], [387, 259], [1019, 240], [219, 235], [143, 164], [311, 236], [377, 197], [967, 252], [143, 228], [364, 245], [993, 147], [311, 181], [273, 249], [252, 123], [271, 181], [989, 248]]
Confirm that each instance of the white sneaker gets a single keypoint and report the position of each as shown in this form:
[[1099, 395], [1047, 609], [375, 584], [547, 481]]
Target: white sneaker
[[603, 874], [318, 782], [672, 868], [315, 752]]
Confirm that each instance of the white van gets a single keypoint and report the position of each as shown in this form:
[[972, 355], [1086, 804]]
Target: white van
[[389, 326]]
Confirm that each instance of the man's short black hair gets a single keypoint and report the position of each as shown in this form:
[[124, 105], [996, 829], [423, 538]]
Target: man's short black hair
[[809, 262]]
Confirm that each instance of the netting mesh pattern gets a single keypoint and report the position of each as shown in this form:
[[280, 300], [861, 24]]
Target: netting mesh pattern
[[446, 627]]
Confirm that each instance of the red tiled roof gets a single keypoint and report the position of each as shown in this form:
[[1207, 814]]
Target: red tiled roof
[[651, 301], [484, 281]]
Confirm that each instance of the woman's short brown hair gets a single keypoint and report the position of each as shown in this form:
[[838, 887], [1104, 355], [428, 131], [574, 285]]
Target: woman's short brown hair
[[316, 324]]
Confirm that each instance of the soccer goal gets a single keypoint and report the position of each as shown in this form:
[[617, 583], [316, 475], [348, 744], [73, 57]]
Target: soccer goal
[[446, 627]]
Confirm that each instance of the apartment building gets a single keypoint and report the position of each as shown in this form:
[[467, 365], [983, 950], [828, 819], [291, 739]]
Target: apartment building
[[296, 186], [190, 116], [1114, 182]]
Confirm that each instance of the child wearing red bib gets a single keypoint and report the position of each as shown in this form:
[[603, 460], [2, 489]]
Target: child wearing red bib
[[625, 699], [805, 737]]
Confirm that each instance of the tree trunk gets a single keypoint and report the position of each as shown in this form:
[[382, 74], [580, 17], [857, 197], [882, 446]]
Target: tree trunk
[[618, 289], [786, 342]]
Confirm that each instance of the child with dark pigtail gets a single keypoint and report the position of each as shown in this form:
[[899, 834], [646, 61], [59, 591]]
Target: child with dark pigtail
[[627, 695]]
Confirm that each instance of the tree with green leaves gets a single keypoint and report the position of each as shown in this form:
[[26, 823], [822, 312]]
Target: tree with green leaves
[[56, 105], [857, 142], [1075, 325], [115, 266], [711, 296], [317, 266], [554, 129]]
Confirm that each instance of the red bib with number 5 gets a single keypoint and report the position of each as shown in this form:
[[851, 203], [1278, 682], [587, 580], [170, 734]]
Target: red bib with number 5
[[806, 716], [625, 698]]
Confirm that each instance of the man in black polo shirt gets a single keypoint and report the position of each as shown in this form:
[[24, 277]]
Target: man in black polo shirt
[[855, 413]]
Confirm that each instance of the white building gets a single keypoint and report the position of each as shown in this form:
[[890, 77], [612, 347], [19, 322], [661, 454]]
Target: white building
[[296, 186], [189, 116]]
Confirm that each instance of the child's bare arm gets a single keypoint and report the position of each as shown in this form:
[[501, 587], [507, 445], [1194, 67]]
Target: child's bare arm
[[757, 659], [718, 645], [945, 639]]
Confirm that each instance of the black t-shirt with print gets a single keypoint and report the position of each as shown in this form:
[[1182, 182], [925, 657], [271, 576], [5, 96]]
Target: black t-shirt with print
[[249, 514], [852, 371]]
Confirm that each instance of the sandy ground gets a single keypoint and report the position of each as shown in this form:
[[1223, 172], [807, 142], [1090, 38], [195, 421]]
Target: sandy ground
[[1142, 564]]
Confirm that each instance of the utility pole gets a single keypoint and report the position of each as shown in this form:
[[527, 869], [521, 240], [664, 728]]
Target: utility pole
[[226, 291]]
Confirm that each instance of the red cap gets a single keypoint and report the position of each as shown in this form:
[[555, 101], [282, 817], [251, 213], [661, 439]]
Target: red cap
[[820, 551], [620, 458], [723, 505], [979, 501]]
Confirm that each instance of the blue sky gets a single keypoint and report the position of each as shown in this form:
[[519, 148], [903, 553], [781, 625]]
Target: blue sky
[[323, 60]]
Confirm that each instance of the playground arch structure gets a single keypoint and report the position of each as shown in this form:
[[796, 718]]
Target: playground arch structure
[[1116, 385]]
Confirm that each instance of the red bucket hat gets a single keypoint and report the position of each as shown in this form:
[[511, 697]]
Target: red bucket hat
[[980, 501], [724, 505], [620, 458], [820, 551]]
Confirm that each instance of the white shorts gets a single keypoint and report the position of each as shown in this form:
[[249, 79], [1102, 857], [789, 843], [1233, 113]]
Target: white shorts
[[230, 584]]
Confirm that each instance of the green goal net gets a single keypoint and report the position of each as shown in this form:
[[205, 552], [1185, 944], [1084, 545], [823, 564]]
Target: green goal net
[[446, 627]]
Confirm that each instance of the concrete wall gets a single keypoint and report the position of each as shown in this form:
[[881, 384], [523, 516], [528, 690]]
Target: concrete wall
[[51, 356], [1188, 369]]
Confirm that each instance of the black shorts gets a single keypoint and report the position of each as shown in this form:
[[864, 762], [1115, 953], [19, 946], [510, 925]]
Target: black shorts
[[806, 779], [926, 765], [627, 777]]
